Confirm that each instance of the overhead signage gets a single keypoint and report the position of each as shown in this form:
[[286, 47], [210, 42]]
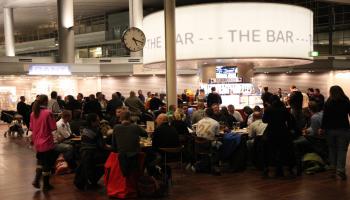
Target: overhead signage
[[46, 69], [233, 30]]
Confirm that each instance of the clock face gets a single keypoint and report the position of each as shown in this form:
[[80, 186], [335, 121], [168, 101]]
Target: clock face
[[134, 39]]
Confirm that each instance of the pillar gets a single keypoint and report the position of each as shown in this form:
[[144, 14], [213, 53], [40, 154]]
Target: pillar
[[135, 19], [170, 51], [66, 31], [246, 72], [8, 32]]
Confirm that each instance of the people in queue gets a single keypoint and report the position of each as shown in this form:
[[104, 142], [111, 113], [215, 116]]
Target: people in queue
[[42, 124]]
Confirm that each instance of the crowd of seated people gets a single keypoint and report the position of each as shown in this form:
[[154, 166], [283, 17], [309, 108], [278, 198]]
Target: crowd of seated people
[[284, 129]]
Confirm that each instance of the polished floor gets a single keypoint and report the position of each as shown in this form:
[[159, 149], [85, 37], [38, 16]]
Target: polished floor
[[17, 165]]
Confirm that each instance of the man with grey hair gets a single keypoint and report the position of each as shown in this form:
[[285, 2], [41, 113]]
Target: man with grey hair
[[164, 136], [198, 114]]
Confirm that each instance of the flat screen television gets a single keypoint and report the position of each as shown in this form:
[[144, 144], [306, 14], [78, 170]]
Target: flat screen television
[[226, 72]]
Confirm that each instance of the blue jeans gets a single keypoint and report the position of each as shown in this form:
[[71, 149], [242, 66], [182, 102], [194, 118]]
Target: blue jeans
[[338, 142]]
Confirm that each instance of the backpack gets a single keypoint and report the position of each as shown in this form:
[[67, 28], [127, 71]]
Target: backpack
[[313, 163]]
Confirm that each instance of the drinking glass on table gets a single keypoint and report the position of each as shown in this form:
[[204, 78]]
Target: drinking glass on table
[[238, 125]]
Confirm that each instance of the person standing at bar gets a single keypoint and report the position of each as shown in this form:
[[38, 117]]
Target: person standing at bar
[[213, 98], [42, 124], [335, 123]]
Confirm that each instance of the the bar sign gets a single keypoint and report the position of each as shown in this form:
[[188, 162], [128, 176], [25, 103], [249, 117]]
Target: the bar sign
[[53, 70]]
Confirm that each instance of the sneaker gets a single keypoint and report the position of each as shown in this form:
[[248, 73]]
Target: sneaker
[[341, 175]]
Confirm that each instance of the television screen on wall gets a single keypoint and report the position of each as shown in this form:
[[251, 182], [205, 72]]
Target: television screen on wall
[[226, 72]]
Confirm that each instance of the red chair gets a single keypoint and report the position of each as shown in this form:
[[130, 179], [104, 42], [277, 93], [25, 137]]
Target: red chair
[[118, 186]]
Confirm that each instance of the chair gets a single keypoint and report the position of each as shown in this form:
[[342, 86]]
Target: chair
[[203, 152], [202, 146], [174, 150]]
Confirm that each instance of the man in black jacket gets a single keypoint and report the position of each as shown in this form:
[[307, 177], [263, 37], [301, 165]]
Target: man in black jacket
[[24, 110], [113, 104], [213, 97], [93, 106], [164, 136], [296, 106], [265, 97]]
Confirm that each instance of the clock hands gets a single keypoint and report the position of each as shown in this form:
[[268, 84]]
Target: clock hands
[[137, 41]]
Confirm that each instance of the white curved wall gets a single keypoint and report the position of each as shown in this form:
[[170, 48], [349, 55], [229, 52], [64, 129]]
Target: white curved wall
[[233, 30]]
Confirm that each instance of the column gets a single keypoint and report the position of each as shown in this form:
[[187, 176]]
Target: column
[[135, 19], [331, 29], [8, 32], [66, 48], [170, 51]]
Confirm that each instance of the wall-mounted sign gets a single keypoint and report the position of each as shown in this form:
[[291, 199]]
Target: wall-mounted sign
[[233, 30], [46, 69]]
